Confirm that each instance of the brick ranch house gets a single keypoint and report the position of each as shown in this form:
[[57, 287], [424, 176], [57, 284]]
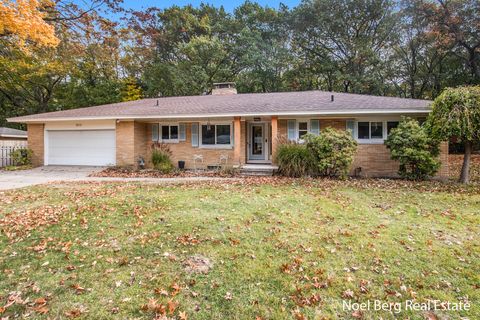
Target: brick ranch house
[[238, 129]]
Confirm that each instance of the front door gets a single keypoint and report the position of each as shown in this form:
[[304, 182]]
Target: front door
[[257, 142]]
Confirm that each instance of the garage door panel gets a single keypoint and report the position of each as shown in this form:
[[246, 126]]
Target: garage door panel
[[81, 147]]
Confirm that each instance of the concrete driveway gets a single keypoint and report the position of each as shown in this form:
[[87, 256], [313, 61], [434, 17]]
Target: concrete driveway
[[40, 175]]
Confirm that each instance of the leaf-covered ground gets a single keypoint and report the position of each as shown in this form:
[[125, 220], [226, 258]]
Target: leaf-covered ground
[[455, 162], [273, 249]]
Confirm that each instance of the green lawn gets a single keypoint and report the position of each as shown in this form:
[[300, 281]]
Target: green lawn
[[280, 249]]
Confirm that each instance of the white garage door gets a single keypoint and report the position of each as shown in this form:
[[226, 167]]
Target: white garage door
[[81, 147]]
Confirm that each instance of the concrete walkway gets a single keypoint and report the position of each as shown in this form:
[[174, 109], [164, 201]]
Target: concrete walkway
[[49, 174]]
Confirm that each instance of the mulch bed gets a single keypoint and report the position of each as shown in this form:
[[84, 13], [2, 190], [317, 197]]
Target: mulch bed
[[118, 172], [455, 165]]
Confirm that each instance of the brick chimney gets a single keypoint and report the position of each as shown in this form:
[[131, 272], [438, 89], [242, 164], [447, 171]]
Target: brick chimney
[[224, 88]]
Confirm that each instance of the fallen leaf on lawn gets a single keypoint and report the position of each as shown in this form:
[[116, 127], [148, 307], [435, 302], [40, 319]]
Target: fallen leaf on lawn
[[161, 292], [182, 315], [430, 316], [172, 306], [348, 294], [78, 288], [299, 316], [176, 289], [41, 309], [41, 301], [228, 296], [357, 314], [363, 286], [234, 242], [74, 313], [154, 306]]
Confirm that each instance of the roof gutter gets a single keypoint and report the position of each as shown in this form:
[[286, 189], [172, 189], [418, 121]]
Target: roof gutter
[[217, 115], [12, 136]]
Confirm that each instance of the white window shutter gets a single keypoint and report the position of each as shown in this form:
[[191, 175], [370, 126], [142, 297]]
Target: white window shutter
[[155, 129], [351, 127], [194, 134], [181, 132], [291, 130], [315, 127]]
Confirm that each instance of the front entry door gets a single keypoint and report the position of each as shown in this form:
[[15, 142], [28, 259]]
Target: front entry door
[[257, 142]]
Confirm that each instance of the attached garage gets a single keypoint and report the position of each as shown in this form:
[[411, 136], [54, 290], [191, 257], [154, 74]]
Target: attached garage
[[80, 147]]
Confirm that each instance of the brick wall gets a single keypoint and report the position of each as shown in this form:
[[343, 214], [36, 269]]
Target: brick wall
[[125, 138], [36, 143], [131, 139], [443, 172], [374, 159], [183, 150], [141, 141]]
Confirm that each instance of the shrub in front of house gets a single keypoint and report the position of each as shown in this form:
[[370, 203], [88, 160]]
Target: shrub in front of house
[[22, 157], [293, 159], [332, 152], [416, 151], [161, 158]]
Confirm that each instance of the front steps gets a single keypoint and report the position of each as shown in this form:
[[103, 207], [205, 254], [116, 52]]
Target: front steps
[[251, 169]]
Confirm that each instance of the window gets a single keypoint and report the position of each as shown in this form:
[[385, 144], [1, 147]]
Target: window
[[223, 134], [208, 134], [216, 134], [165, 132], [391, 125], [297, 129], [376, 130], [370, 130], [173, 132], [363, 130], [302, 129], [169, 133]]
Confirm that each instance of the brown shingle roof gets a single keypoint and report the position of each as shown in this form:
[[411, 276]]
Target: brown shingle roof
[[6, 132], [252, 104]]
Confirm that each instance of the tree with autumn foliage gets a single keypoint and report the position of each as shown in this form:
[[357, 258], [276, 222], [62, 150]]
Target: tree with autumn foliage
[[23, 21], [455, 25], [131, 91], [46, 47]]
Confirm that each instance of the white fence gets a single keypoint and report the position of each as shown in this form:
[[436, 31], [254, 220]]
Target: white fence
[[6, 147]]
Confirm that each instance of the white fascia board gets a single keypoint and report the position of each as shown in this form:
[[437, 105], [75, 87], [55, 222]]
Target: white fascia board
[[13, 136], [226, 115]]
